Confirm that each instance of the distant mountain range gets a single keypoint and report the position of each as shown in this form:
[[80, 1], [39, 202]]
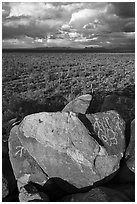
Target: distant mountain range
[[68, 49]]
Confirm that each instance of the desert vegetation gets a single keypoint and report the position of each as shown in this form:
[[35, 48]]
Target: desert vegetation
[[34, 82]]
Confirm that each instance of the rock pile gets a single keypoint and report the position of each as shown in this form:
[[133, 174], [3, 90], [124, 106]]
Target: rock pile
[[63, 147], [82, 150]]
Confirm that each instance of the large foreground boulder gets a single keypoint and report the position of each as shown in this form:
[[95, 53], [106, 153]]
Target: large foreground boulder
[[79, 149]]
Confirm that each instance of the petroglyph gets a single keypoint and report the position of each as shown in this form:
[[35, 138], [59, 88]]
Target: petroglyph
[[105, 128], [20, 151]]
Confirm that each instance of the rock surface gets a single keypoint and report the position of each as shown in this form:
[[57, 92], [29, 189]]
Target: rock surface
[[29, 193], [123, 105], [24, 165], [130, 151], [60, 145], [109, 128], [78, 105]]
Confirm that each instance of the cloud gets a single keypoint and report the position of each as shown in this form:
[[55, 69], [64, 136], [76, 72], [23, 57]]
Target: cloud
[[23, 42], [66, 27], [63, 43], [129, 26], [68, 24], [82, 17], [29, 28], [32, 20], [34, 10], [124, 9], [5, 10]]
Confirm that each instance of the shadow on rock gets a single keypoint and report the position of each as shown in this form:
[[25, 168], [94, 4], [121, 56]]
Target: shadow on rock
[[57, 188], [102, 194]]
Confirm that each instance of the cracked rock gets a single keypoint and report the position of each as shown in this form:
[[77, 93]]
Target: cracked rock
[[61, 145]]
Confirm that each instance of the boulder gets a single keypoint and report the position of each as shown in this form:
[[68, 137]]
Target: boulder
[[24, 165], [130, 151], [79, 104], [48, 145], [108, 129], [123, 105], [7, 126], [29, 193]]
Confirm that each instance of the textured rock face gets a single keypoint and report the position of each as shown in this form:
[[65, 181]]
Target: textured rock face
[[130, 151], [123, 105], [60, 145], [29, 193], [24, 166], [109, 128], [79, 105]]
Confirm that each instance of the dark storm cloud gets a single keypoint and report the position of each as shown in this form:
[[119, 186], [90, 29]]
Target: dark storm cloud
[[30, 30], [12, 32], [124, 9], [76, 23], [35, 20]]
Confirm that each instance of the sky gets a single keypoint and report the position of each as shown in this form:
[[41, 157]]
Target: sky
[[62, 24]]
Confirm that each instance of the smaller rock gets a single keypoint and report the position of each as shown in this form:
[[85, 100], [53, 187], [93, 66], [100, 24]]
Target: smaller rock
[[130, 151], [79, 105], [29, 193], [107, 128], [5, 190]]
